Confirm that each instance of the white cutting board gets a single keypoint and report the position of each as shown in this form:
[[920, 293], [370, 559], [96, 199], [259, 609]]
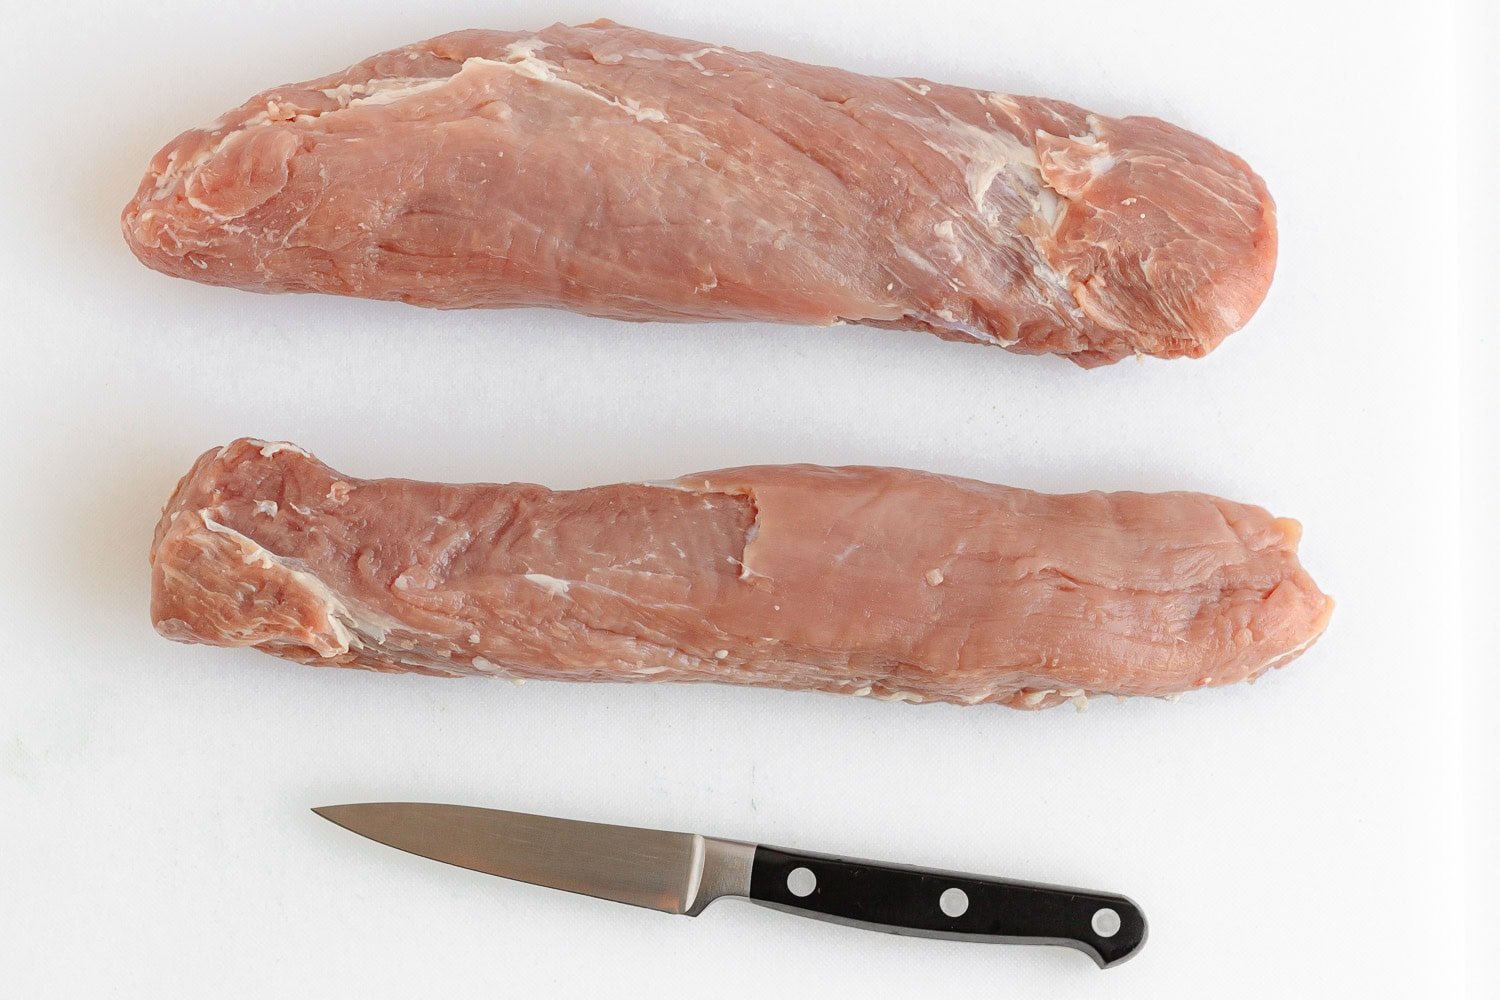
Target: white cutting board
[[1297, 838]]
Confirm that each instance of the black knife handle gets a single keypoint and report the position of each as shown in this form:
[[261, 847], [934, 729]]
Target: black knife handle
[[928, 903]]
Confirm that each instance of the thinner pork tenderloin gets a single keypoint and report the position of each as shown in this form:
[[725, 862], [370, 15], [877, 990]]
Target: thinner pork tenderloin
[[865, 581], [625, 174]]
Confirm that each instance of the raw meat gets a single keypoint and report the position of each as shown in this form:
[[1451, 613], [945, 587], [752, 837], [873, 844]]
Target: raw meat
[[622, 173], [883, 582]]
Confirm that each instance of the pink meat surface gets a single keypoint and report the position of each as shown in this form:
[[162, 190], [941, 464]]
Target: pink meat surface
[[883, 582], [621, 173]]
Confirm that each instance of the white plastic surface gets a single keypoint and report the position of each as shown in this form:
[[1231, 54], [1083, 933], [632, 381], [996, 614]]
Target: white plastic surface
[[1302, 837]]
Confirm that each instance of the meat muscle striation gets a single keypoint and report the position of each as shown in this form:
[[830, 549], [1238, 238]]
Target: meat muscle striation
[[621, 173], [883, 582]]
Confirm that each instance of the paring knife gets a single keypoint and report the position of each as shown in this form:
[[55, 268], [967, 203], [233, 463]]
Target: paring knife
[[684, 872]]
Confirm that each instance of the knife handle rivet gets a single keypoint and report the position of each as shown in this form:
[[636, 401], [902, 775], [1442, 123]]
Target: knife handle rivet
[[1106, 922], [801, 882], [954, 902]]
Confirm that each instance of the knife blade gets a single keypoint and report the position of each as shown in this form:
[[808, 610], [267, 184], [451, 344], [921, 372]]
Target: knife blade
[[682, 873]]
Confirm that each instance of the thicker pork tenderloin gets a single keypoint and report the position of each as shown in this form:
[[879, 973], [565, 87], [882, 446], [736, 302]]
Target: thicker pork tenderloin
[[626, 174]]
